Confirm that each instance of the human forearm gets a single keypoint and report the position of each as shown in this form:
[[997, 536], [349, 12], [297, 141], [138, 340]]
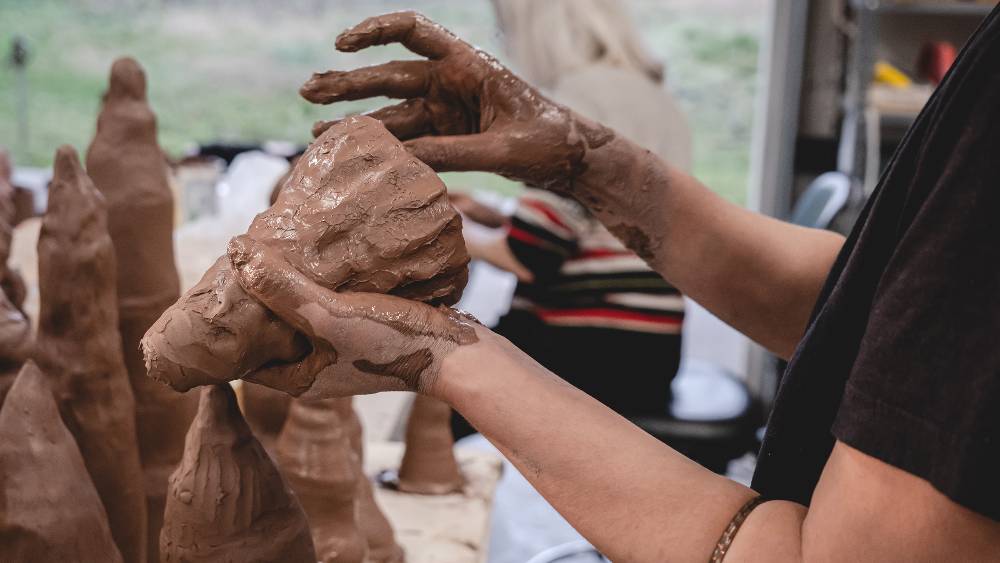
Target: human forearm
[[633, 497], [760, 275]]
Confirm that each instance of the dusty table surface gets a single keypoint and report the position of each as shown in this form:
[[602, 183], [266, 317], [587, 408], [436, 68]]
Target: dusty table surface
[[445, 528]]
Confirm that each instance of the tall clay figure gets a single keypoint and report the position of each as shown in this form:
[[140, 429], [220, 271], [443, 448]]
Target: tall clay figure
[[127, 166], [15, 330], [79, 347], [315, 454], [382, 546]]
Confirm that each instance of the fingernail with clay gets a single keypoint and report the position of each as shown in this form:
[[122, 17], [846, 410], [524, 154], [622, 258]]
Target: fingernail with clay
[[347, 40]]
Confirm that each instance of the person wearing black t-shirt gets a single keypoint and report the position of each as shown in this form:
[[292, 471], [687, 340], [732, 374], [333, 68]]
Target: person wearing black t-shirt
[[884, 443]]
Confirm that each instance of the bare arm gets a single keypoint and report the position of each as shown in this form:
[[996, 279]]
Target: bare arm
[[759, 274], [465, 111], [638, 500], [633, 497]]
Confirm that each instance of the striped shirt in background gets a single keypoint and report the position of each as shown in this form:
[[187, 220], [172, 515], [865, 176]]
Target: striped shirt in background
[[584, 276]]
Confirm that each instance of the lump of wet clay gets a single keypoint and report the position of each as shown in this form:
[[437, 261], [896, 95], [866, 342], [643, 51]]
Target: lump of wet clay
[[50, 510], [227, 502], [79, 347], [128, 167], [382, 546], [429, 466], [358, 213], [315, 455]]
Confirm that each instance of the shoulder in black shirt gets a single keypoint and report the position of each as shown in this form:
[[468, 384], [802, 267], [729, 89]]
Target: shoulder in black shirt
[[902, 358]]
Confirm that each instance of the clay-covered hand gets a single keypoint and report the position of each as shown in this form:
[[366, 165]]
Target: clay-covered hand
[[463, 110], [361, 342]]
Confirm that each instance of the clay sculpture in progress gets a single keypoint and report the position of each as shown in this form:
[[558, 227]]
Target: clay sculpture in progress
[[15, 330], [128, 167], [78, 346], [227, 501], [315, 455], [382, 546], [50, 509], [10, 281], [358, 213], [429, 466], [265, 410]]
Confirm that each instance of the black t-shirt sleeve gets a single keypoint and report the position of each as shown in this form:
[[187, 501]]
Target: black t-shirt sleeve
[[924, 391]]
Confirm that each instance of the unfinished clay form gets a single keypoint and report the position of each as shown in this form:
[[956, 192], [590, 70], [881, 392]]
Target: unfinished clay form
[[358, 213], [429, 466], [227, 502], [265, 410], [50, 510], [382, 546], [15, 330], [315, 455], [79, 347], [128, 167]]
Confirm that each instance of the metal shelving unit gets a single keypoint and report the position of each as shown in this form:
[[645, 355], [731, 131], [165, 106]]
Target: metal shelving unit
[[858, 151], [925, 8]]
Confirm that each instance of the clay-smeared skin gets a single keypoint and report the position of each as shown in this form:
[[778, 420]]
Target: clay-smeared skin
[[79, 347], [127, 166], [465, 111], [50, 510], [429, 465], [382, 546], [358, 213], [391, 338], [315, 455], [227, 501]]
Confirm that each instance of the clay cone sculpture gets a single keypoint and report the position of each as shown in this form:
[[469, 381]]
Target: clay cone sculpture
[[128, 167], [315, 455], [15, 330], [50, 509], [429, 466], [79, 347], [265, 410], [358, 213], [10, 281], [227, 501], [382, 546]]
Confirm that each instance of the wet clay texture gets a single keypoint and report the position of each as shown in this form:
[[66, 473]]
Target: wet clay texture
[[429, 466], [382, 546], [50, 510], [265, 410], [227, 502], [128, 167], [315, 454], [15, 330], [358, 213], [463, 110], [78, 346]]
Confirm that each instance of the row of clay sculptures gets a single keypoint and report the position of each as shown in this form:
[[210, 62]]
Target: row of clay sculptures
[[99, 462]]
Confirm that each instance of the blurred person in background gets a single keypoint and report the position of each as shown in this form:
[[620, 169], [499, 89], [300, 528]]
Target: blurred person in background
[[585, 307]]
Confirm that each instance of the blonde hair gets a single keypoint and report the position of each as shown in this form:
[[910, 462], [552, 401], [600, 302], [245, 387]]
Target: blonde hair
[[549, 39]]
